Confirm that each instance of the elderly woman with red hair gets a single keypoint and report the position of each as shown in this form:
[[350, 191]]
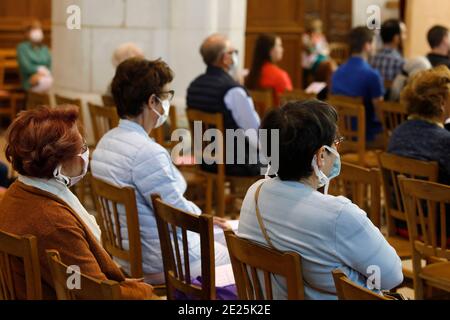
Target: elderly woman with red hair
[[45, 147]]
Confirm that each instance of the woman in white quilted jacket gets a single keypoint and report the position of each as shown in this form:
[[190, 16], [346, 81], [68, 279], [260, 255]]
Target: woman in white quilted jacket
[[127, 156]]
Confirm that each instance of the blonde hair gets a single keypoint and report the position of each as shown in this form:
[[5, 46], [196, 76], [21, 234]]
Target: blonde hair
[[427, 91], [126, 51]]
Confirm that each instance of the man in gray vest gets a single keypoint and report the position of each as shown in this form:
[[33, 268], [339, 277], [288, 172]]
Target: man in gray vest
[[216, 91]]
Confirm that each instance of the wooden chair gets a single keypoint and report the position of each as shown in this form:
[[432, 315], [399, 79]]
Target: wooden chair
[[348, 290], [263, 101], [339, 52], [352, 125], [296, 95], [108, 101], [9, 99], [362, 186], [210, 121], [103, 119], [90, 288], [391, 166], [171, 223], [427, 205], [13, 248], [35, 100], [108, 199], [252, 261], [61, 100], [392, 115]]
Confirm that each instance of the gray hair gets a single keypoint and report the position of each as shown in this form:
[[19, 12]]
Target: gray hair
[[213, 48]]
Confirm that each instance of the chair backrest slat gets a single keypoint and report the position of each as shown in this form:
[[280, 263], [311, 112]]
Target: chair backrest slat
[[19, 251], [89, 289], [250, 256], [103, 119], [169, 221], [392, 115], [263, 100], [35, 100], [391, 166], [61, 100], [296, 95], [362, 186], [108, 198]]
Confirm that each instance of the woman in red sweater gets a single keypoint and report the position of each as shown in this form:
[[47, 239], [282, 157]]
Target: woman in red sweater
[[265, 74]]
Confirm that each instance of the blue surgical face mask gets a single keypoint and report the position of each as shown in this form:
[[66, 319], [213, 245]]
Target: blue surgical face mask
[[324, 180]]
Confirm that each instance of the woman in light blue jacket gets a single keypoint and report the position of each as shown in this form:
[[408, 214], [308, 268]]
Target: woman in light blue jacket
[[127, 156], [290, 213]]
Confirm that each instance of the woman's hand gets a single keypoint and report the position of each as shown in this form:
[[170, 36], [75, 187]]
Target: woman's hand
[[222, 223]]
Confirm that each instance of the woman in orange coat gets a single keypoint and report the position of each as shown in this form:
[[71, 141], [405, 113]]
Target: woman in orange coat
[[265, 74]]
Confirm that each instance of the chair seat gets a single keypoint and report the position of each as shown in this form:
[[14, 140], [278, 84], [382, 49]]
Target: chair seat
[[401, 246], [437, 273], [370, 159]]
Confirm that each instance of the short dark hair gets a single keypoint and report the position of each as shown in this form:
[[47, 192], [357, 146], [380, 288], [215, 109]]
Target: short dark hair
[[390, 29], [136, 79], [358, 37], [304, 127], [435, 35]]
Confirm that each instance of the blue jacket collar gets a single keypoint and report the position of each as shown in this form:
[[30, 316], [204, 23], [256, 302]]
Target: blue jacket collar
[[132, 126]]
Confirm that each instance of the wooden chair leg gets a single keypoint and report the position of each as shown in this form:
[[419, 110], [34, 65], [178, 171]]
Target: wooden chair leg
[[209, 195], [220, 205]]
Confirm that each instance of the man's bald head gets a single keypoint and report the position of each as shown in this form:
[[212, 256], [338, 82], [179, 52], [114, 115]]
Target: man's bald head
[[213, 48]]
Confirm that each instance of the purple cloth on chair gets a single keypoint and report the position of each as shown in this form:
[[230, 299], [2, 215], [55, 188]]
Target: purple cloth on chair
[[222, 293]]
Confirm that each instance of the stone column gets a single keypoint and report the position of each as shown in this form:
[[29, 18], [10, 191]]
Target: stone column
[[169, 29]]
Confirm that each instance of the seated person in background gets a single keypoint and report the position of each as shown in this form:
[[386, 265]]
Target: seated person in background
[[315, 48], [389, 61], [265, 74], [410, 68], [356, 78], [216, 91], [35, 61], [127, 157], [123, 52], [328, 232], [47, 150], [423, 137], [439, 41]]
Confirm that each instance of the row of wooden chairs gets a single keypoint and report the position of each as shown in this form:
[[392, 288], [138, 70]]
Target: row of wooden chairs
[[247, 257]]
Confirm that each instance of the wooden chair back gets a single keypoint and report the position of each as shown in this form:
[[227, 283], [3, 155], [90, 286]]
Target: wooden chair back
[[263, 100], [352, 124], [108, 101], [103, 119], [392, 115], [348, 290], [205, 121], [19, 250], [296, 95], [61, 100], [2, 72], [427, 207], [35, 100], [339, 52], [89, 288], [391, 166], [362, 186], [252, 262], [159, 134], [109, 199], [173, 225]]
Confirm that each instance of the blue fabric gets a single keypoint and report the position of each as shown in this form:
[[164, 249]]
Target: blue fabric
[[328, 232], [222, 293], [356, 78], [389, 62], [127, 156]]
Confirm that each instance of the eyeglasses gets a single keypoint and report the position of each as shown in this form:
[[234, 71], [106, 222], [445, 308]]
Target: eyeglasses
[[170, 94], [235, 51], [85, 147]]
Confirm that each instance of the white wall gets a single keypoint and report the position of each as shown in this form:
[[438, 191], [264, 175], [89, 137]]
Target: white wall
[[169, 29]]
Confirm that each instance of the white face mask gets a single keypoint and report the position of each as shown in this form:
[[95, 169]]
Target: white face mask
[[71, 181], [36, 35], [162, 117], [324, 180]]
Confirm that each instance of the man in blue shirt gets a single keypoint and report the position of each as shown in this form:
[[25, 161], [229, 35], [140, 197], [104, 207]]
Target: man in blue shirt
[[356, 78]]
